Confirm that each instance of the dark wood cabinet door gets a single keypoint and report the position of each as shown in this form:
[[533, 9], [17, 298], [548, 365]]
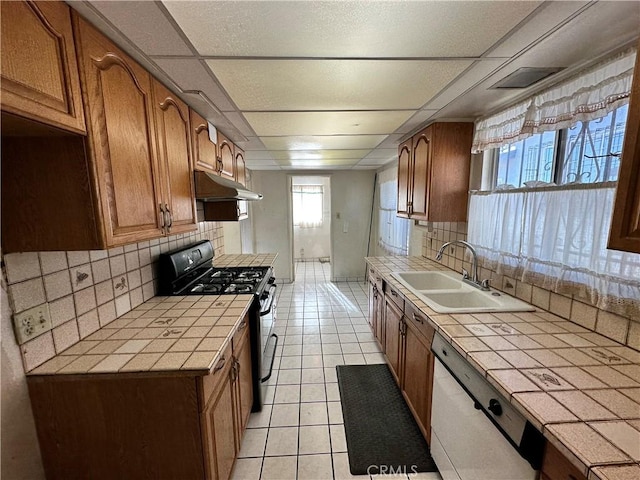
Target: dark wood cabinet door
[[241, 175], [121, 139], [174, 152], [204, 151], [40, 77], [418, 377], [393, 338], [404, 178], [421, 172], [226, 157], [373, 292], [625, 222], [379, 317]]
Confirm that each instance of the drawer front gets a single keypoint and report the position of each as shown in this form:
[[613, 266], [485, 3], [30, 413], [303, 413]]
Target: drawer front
[[394, 296], [419, 320], [375, 278], [211, 383]]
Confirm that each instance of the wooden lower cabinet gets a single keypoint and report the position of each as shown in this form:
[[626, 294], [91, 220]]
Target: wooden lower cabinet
[[169, 425], [393, 344], [376, 311], [555, 466], [406, 342], [417, 378]]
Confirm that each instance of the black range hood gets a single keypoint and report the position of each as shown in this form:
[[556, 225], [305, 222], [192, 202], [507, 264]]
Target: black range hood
[[212, 188]]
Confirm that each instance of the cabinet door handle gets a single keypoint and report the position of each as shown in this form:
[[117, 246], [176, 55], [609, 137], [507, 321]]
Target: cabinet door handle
[[162, 216], [234, 370], [393, 292], [170, 216], [417, 318], [242, 325], [220, 364]]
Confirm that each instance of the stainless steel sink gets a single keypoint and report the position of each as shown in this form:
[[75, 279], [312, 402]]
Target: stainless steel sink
[[445, 292]]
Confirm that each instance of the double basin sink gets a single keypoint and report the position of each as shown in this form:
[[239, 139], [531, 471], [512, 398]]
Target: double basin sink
[[445, 292]]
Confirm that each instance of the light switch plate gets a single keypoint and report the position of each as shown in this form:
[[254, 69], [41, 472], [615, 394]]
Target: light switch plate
[[31, 323]]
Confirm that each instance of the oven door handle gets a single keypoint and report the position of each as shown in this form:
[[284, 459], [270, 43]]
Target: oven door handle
[[272, 296]]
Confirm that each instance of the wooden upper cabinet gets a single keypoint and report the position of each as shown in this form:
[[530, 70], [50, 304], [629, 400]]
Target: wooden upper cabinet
[[625, 222], [39, 71], [434, 175], [174, 152], [225, 157], [119, 110], [241, 172], [204, 151], [404, 187]]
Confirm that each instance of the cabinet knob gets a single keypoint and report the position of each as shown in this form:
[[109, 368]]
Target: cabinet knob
[[220, 364]]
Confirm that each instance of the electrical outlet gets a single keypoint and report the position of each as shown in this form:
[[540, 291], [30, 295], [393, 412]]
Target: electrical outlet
[[31, 323]]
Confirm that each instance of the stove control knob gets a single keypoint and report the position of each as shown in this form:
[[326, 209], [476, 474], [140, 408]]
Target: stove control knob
[[495, 407]]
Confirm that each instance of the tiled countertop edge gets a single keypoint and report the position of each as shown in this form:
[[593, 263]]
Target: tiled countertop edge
[[552, 431]]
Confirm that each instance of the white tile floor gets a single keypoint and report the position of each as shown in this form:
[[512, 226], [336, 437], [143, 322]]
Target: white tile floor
[[299, 434]]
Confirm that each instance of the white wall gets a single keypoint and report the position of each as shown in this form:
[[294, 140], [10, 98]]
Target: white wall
[[20, 450], [351, 198], [351, 201], [272, 221], [314, 242]]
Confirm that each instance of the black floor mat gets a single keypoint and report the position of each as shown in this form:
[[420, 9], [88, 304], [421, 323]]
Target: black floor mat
[[382, 435]]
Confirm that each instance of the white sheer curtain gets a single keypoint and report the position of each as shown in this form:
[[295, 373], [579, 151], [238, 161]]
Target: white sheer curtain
[[307, 205], [392, 230], [586, 96], [556, 238]]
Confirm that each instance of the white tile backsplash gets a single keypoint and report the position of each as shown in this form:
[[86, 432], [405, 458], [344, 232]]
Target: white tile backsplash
[[85, 289], [578, 310], [22, 266]]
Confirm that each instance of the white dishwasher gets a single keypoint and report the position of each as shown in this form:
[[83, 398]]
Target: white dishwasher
[[475, 433]]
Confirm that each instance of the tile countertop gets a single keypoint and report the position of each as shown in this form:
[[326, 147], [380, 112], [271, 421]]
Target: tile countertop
[[172, 334], [581, 389]]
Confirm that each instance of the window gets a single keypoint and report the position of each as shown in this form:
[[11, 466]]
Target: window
[[556, 237], [307, 205], [392, 230], [588, 152], [592, 149]]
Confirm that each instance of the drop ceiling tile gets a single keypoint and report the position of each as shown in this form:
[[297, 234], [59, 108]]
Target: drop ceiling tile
[[350, 142], [326, 123], [542, 21], [334, 84], [382, 153], [145, 24], [347, 29], [391, 141], [190, 74], [318, 163], [257, 155], [317, 154]]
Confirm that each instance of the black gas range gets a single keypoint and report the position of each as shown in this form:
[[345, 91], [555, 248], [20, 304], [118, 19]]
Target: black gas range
[[189, 271]]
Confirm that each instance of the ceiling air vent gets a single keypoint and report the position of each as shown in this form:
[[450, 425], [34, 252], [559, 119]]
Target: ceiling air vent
[[525, 77]]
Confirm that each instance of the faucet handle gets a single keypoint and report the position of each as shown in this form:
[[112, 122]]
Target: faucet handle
[[465, 274]]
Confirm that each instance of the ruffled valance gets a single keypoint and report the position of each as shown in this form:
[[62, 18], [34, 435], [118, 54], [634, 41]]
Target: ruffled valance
[[586, 96]]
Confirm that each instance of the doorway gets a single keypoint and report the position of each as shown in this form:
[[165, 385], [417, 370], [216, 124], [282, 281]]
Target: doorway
[[311, 220]]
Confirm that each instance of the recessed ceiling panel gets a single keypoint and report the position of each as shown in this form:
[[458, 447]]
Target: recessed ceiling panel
[[334, 84], [335, 142], [326, 123], [347, 29]]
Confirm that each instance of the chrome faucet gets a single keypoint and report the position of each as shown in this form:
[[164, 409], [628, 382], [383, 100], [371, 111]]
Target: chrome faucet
[[474, 279]]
